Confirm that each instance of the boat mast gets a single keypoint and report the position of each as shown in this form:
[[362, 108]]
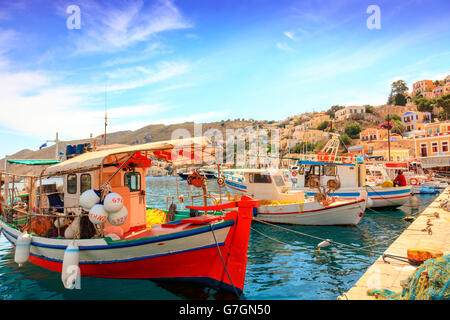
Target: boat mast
[[389, 135], [56, 141]]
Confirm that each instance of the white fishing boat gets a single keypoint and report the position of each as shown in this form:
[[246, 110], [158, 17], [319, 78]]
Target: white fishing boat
[[416, 178], [351, 174], [281, 204]]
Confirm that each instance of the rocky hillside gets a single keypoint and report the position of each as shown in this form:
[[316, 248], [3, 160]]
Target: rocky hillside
[[150, 133]]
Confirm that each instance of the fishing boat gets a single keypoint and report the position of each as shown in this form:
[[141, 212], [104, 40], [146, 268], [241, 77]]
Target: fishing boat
[[208, 174], [419, 182], [349, 171], [107, 242], [281, 204]]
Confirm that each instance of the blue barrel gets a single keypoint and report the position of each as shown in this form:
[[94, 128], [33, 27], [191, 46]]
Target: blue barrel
[[79, 149], [70, 151]]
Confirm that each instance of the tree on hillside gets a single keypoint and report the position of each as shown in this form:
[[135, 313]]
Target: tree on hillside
[[393, 117], [345, 140], [353, 130], [398, 89], [399, 86], [397, 127], [369, 108], [333, 110], [400, 99], [424, 104], [443, 102], [323, 125], [303, 146]]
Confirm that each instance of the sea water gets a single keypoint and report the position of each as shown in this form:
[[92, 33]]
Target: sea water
[[281, 265]]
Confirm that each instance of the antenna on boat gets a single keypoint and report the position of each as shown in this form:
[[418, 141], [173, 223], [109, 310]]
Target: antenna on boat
[[56, 141]]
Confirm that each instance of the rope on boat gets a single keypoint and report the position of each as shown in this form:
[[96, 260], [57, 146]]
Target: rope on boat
[[405, 259], [223, 262]]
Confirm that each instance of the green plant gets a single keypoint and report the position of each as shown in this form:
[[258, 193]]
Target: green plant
[[353, 130]]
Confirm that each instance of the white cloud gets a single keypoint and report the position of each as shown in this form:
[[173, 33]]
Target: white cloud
[[105, 28], [290, 35], [284, 47], [35, 105]]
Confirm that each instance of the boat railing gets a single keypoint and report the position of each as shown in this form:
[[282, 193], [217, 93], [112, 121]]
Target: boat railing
[[182, 197], [11, 215]]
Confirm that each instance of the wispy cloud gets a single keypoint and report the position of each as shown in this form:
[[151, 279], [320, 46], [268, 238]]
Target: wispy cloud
[[109, 28], [290, 35], [284, 47]]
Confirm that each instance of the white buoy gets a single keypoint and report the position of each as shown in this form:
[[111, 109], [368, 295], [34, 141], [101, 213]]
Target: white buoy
[[60, 222], [324, 244], [23, 244], [119, 217], [73, 229], [88, 199], [113, 202], [70, 274], [98, 214]]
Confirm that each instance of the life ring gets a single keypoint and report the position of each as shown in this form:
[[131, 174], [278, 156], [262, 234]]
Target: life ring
[[221, 181], [294, 173], [413, 182], [348, 155]]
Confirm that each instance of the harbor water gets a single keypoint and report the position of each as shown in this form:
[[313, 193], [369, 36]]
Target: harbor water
[[281, 265]]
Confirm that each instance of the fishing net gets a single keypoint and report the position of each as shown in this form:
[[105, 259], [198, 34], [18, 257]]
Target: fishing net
[[431, 281], [155, 216]]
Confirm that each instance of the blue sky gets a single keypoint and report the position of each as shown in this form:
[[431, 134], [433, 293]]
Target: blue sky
[[204, 60]]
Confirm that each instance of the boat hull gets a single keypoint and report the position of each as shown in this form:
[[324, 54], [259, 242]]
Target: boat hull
[[190, 254], [388, 197], [313, 213]]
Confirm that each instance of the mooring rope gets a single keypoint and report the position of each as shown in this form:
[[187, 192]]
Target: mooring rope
[[337, 243], [223, 262]]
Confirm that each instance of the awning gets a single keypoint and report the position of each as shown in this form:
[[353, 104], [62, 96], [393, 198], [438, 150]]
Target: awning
[[177, 152], [33, 162]]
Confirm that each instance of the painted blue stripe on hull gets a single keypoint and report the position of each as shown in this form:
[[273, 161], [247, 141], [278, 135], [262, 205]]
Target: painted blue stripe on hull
[[236, 185], [385, 193]]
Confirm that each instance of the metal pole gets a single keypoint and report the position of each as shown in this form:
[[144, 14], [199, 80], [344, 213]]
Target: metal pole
[[6, 185]]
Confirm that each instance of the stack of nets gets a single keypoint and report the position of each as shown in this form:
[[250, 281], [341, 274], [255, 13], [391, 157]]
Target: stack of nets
[[431, 281], [155, 216]]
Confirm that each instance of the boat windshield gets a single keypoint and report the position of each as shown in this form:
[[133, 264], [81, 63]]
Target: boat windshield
[[278, 180], [260, 178]]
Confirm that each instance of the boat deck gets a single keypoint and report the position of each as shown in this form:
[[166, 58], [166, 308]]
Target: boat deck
[[383, 275], [176, 226]]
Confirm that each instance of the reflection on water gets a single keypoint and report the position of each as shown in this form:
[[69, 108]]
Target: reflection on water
[[293, 269]]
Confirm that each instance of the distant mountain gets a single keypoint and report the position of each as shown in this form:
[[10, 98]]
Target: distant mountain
[[150, 133]]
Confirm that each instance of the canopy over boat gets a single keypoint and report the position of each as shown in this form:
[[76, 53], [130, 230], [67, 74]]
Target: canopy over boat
[[32, 162], [177, 152]]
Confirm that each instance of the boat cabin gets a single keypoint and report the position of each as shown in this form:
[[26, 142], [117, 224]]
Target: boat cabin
[[261, 184], [350, 175]]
